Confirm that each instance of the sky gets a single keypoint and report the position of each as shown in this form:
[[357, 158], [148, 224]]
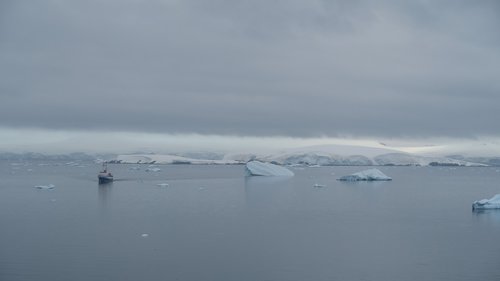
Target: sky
[[206, 71]]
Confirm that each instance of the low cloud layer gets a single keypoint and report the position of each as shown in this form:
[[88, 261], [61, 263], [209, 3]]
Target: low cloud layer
[[252, 68]]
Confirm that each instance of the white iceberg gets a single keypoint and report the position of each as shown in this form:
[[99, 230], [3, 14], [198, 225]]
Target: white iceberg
[[50, 186], [153, 169], [257, 168], [162, 184], [366, 175], [492, 203]]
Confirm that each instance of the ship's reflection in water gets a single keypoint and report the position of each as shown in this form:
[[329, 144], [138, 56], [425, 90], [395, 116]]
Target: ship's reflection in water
[[104, 192]]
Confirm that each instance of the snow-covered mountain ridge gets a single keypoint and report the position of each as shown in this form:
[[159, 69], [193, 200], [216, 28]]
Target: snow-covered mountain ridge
[[325, 155]]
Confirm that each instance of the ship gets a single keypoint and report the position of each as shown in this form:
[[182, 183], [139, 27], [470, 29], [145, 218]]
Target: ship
[[104, 176]]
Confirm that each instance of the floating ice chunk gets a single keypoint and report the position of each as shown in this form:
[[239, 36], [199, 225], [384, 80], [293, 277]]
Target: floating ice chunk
[[144, 235], [163, 184], [317, 185], [50, 186], [257, 168], [492, 203], [153, 169], [366, 175]]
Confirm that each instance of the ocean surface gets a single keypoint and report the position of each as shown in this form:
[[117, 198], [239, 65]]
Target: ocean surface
[[213, 223]]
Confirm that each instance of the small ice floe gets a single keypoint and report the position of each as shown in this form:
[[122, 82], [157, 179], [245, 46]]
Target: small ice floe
[[50, 186], [201, 188], [134, 168], [366, 175], [492, 203], [163, 184], [153, 169], [30, 170], [257, 168], [144, 235], [317, 185]]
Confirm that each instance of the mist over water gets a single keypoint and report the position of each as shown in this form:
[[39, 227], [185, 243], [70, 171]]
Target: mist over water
[[213, 223]]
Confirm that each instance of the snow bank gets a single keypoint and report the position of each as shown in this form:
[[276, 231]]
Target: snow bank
[[317, 158], [239, 157], [167, 159], [492, 203], [257, 168], [366, 175], [328, 155], [406, 159]]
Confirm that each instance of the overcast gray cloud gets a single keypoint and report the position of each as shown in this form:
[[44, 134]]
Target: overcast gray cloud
[[298, 68]]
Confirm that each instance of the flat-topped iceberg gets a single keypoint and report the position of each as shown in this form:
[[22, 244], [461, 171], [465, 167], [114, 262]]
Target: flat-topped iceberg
[[257, 168], [492, 203], [366, 175], [50, 186]]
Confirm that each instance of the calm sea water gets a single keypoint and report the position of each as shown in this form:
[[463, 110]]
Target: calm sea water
[[212, 223]]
